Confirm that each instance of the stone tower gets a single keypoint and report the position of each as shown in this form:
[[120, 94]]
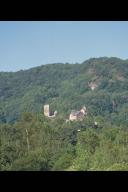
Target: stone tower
[[46, 110]]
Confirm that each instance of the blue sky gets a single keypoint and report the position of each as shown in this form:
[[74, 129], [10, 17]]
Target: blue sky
[[26, 44]]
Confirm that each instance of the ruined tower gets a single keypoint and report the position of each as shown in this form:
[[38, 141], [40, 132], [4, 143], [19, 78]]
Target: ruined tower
[[46, 110]]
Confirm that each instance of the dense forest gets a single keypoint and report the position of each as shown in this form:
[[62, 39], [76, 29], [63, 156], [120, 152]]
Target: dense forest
[[31, 141]]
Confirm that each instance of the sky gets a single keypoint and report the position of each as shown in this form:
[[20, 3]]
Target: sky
[[27, 44]]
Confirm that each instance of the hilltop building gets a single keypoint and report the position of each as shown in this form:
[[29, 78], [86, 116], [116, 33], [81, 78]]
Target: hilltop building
[[78, 115]]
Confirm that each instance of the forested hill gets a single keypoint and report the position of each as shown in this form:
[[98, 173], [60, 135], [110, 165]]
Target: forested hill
[[29, 141], [66, 87]]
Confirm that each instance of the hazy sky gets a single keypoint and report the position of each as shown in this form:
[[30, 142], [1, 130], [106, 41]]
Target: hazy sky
[[26, 44]]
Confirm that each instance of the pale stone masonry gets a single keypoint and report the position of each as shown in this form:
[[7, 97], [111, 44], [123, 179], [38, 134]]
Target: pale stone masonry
[[78, 115], [46, 110], [48, 113]]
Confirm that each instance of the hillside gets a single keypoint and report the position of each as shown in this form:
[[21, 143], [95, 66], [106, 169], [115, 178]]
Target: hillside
[[32, 142], [65, 87]]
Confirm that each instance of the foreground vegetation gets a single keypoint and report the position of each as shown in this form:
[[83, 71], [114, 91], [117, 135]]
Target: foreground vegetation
[[37, 143]]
